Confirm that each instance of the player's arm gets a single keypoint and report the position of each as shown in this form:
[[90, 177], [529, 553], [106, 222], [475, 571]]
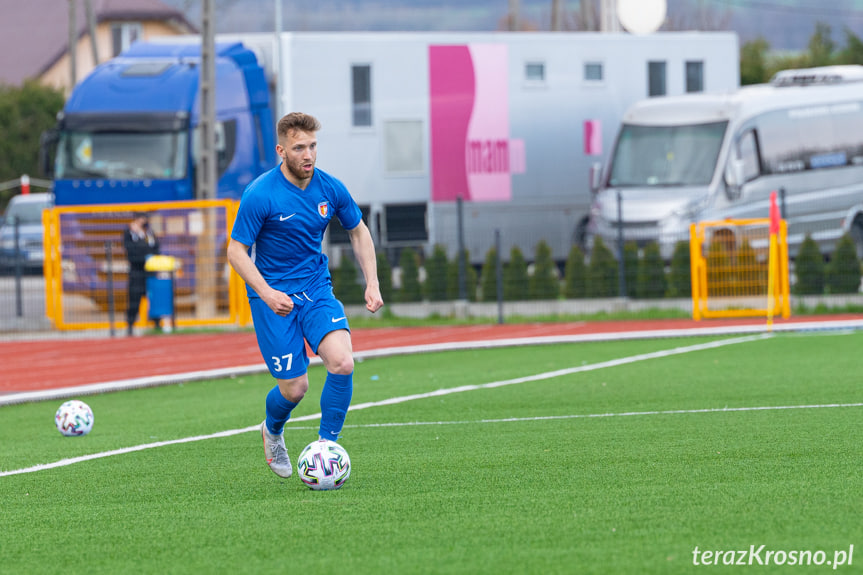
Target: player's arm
[[238, 256], [364, 250]]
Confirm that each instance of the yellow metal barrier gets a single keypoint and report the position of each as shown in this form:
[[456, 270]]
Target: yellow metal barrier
[[733, 272], [86, 268]]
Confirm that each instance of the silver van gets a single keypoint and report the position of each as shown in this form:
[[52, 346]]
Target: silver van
[[24, 212], [707, 157]]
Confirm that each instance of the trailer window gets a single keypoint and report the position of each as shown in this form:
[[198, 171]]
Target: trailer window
[[593, 71], [695, 76], [403, 143], [656, 85], [534, 72], [361, 79], [662, 156]]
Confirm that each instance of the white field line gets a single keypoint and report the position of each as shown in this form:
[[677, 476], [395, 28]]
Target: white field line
[[401, 399], [152, 381], [583, 416], [72, 460], [594, 415]]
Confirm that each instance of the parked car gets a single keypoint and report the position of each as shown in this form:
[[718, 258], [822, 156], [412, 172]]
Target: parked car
[[25, 212]]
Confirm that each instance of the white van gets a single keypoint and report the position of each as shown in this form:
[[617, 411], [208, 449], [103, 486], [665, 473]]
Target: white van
[[704, 157]]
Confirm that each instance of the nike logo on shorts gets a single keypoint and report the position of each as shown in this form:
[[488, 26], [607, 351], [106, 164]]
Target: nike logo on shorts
[[338, 319], [283, 218]]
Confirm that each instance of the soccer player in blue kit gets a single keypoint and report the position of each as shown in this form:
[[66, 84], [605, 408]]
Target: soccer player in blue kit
[[275, 247]]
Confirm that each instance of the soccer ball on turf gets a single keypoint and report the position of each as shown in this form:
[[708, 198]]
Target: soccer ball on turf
[[324, 465], [74, 418]]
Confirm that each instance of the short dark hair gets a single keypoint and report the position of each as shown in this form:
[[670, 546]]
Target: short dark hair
[[297, 121], [138, 215]]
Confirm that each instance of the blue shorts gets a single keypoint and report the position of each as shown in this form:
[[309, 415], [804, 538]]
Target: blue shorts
[[281, 339]]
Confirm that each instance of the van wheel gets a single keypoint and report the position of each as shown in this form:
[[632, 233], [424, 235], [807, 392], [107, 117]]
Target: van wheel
[[857, 236]]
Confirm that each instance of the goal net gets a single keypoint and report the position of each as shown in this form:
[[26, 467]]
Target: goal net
[[739, 269]]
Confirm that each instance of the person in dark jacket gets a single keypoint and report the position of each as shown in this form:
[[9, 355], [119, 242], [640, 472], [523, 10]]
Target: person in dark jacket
[[140, 243]]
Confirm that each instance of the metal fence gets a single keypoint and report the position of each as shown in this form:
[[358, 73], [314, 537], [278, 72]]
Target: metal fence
[[83, 287], [86, 268]]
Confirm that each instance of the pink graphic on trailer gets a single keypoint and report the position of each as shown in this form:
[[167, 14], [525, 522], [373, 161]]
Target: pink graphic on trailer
[[593, 137], [451, 86], [487, 150], [517, 158], [472, 156]]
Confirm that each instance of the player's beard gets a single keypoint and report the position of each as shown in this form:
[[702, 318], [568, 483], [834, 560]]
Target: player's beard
[[297, 171]]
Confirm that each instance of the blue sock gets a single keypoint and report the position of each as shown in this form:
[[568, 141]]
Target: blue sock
[[278, 410], [335, 399]]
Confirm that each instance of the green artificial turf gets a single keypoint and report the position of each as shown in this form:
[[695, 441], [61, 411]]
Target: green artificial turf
[[610, 470]]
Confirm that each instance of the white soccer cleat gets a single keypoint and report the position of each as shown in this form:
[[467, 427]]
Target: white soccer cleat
[[276, 453]]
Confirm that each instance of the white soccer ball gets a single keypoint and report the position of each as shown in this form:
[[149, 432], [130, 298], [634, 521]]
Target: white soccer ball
[[324, 465], [74, 418]]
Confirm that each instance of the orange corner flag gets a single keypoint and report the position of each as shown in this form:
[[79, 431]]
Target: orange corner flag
[[774, 214], [772, 259]]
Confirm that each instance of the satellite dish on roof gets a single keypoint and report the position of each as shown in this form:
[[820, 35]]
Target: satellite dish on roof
[[641, 16]]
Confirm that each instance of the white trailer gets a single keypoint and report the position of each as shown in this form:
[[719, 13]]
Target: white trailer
[[510, 123]]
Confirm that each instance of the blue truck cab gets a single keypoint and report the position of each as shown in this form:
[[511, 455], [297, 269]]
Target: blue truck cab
[[128, 132]]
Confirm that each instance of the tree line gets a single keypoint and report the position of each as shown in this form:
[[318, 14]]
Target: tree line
[[25, 112], [731, 271], [758, 63]]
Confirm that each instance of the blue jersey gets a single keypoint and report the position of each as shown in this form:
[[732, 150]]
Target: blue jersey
[[284, 227]]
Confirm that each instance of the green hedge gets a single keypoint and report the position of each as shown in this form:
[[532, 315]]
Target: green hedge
[[602, 274], [843, 273]]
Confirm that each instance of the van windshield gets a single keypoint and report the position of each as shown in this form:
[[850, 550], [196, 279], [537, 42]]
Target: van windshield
[[657, 156], [121, 155]]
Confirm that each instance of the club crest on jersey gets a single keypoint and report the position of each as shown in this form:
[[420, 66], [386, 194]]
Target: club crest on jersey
[[323, 208]]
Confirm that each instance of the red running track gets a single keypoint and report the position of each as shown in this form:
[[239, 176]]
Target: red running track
[[36, 365]]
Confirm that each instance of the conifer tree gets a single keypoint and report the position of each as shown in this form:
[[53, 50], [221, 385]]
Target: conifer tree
[[680, 281], [471, 279], [575, 274], [515, 281], [436, 274], [411, 290], [345, 285], [809, 268], [488, 277], [602, 274], [843, 273], [651, 282], [543, 284], [385, 277]]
